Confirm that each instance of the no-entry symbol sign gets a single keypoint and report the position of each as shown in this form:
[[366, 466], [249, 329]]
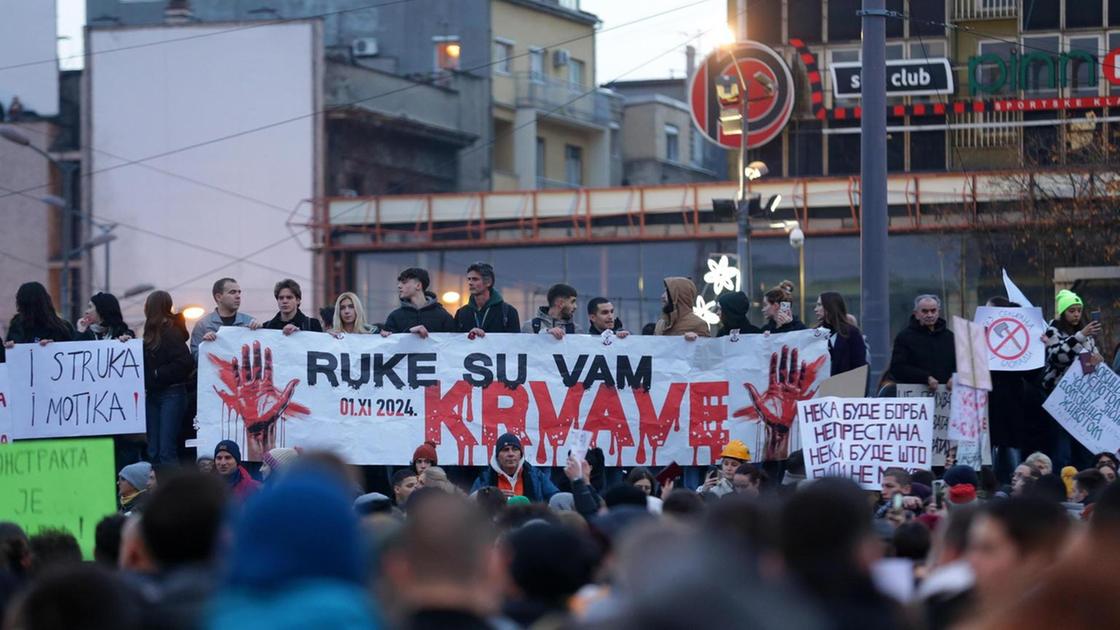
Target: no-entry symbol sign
[[1013, 336], [1008, 338]]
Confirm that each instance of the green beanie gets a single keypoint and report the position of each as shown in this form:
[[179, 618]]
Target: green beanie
[[517, 500], [1067, 299]]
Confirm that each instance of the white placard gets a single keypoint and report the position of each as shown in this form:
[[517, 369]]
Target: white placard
[[1088, 406], [76, 389], [946, 451], [968, 413], [1013, 337]]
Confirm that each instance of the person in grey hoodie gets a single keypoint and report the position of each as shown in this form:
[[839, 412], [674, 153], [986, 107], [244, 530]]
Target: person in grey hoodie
[[556, 318], [420, 312]]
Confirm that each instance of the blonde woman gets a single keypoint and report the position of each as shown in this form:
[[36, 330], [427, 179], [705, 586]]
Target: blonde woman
[[350, 317]]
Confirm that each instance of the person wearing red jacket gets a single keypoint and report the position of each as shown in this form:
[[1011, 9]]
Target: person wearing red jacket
[[227, 461]]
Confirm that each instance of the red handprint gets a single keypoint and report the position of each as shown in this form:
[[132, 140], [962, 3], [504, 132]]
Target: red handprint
[[253, 396], [790, 382]]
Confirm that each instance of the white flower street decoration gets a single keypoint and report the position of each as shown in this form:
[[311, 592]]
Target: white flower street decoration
[[704, 310], [722, 276]]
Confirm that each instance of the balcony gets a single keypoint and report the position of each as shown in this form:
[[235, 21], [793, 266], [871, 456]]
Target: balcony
[[985, 9], [560, 98]]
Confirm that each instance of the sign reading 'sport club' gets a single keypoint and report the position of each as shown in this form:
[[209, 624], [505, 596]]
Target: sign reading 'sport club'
[[726, 76]]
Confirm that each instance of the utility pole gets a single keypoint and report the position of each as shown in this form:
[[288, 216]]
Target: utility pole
[[742, 214], [874, 282]]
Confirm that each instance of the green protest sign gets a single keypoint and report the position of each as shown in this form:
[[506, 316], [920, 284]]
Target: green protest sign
[[65, 484]]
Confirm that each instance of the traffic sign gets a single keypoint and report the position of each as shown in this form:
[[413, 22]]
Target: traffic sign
[[770, 102]]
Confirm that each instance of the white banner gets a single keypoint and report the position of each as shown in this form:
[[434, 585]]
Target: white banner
[[1088, 406], [948, 452], [859, 438], [373, 400], [1014, 337], [5, 407], [76, 389]]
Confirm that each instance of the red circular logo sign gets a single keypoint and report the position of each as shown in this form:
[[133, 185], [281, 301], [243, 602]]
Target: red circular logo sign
[[1008, 338], [768, 110], [1110, 66]]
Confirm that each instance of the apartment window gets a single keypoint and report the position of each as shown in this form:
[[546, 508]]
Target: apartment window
[[1082, 74], [536, 64], [1041, 72], [540, 158], [672, 143], [993, 73], [573, 165], [807, 26], [1084, 13], [576, 70], [448, 52], [1042, 15], [503, 56]]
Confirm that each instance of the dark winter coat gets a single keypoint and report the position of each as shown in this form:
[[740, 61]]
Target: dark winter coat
[[20, 332], [301, 321], [495, 317], [592, 330], [112, 332], [794, 324], [847, 353], [431, 316], [734, 307], [169, 364], [920, 353]]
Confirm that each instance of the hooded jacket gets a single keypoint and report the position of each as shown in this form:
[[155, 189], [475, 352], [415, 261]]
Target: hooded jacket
[[536, 484], [431, 316], [543, 321], [303, 322], [495, 317], [734, 307], [682, 295], [920, 353]]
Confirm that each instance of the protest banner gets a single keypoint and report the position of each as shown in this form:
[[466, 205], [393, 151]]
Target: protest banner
[[64, 484], [1088, 406], [972, 355], [645, 400], [968, 413], [1013, 337], [947, 452], [5, 408], [859, 438], [76, 389]]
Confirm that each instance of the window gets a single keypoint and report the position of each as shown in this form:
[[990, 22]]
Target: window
[[1084, 13], [1080, 65], [807, 26], [672, 143], [697, 148], [1038, 65], [448, 51], [540, 158], [927, 148], [806, 149], [927, 19], [576, 72], [895, 51], [503, 56], [764, 23], [843, 23], [997, 77], [536, 64], [1114, 12], [844, 55], [1042, 15], [927, 50], [894, 25], [1113, 71], [573, 165]]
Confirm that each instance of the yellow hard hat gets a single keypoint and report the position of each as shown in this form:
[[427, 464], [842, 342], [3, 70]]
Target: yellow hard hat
[[736, 449]]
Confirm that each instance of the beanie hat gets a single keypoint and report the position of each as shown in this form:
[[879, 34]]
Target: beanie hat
[[517, 499], [303, 527], [205, 458], [961, 474], [736, 449], [372, 503], [962, 494], [508, 439], [136, 474], [279, 458], [427, 451], [230, 447], [1066, 299], [735, 302]]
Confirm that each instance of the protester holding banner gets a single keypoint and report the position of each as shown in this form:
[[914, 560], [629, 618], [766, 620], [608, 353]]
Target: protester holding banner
[[350, 316], [778, 310], [601, 317], [167, 367], [1066, 338], [227, 297], [102, 320], [485, 311], [420, 312], [677, 318], [924, 352], [557, 318], [733, 309], [845, 342], [35, 320]]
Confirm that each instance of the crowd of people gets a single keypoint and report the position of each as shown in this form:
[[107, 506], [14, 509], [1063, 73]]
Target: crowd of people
[[300, 541]]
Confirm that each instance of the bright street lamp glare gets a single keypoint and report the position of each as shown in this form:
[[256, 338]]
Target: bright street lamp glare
[[193, 312], [724, 35], [755, 170], [450, 297]]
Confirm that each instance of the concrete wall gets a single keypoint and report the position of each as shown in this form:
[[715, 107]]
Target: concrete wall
[[25, 239], [226, 187]]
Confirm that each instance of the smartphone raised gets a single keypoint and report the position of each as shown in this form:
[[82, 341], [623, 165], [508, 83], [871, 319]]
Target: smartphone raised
[[1095, 316], [786, 308]]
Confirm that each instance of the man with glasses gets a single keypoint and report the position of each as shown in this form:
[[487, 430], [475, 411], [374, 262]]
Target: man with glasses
[[485, 311], [924, 352]]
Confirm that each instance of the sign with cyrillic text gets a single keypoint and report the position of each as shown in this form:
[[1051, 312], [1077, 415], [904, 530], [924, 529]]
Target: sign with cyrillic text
[[1013, 337], [860, 438], [1088, 406], [948, 452], [644, 400], [76, 389]]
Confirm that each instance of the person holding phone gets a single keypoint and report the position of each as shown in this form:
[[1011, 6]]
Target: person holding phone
[[1066, 338], [777, 307], [846, 347], [720, 479]]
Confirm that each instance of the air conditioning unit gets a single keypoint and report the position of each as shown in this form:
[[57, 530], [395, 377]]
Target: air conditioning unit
[[364, 47], [560, 58]]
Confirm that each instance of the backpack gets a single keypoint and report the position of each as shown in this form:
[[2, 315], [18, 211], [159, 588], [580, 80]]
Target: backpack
[[569, 328]]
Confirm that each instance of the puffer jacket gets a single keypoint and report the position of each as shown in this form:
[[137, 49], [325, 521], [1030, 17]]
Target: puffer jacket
[[920, 353], [682, 295], [431, 316]]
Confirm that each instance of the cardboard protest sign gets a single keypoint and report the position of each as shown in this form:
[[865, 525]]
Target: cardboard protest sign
[[645, 400], [1013, 337], [5, 407], [76, 389], [968, 413], [947, 452], [850, 384], [861, 437], [972, 355], [1088, 406], [65, 484]]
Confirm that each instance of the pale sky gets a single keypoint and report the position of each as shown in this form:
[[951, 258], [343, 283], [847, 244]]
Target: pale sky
[[618, 51]]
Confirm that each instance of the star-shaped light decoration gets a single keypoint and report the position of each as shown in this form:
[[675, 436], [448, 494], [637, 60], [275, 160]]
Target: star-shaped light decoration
[[704, 311], [722, 276]]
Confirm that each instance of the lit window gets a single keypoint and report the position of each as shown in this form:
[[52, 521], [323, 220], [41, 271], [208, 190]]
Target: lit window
[[448, 52]]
